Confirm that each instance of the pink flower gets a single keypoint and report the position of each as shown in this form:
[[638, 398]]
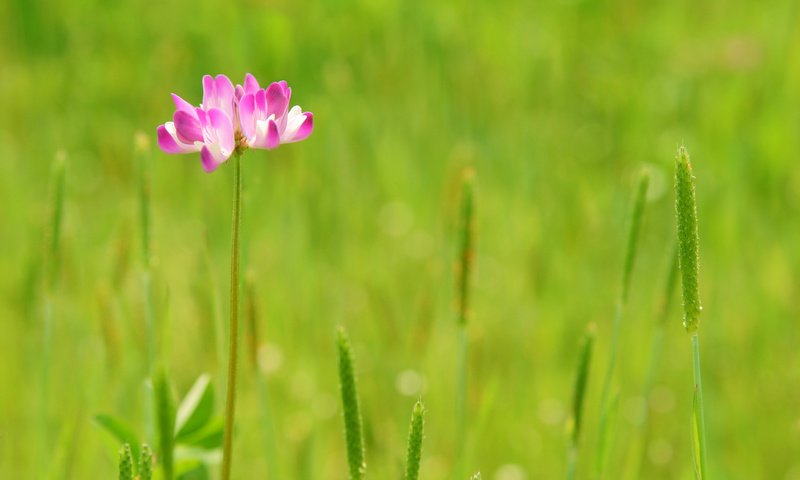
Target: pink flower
[[266, 120], [232, 119]]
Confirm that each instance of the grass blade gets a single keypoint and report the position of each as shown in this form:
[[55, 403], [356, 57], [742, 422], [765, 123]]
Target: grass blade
[[463, 273], [120, 431], [165, 417], [415, 435], [637, 212], [352, 415], [579, 393]]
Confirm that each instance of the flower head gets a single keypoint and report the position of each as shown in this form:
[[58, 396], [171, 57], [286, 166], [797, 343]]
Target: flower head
[[232, 119]]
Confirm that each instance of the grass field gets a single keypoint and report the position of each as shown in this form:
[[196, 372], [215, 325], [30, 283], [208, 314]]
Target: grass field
[[557, 106]]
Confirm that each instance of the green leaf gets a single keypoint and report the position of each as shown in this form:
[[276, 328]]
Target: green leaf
[[120, 430], [208, 437], [196, 408], [191, 469]]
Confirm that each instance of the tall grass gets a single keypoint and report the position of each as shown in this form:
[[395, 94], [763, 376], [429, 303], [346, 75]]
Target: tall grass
[[415, 434], [352, 414], [463, 275], [165, 419], [578, 396], [51, 263], [142, 153], [607, 407], [656, 346], [688, 259]]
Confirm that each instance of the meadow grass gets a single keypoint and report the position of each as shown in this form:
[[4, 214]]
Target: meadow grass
[[352, 414], [415, 435], [688, 260], [556, 106], [578, 396], [463, 274], [609, 402]]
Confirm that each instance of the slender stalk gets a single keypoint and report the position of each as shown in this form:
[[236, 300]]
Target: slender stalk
[[579, 393], [142, 153], [700, 413], [51, 268], [616, 326], [142, 150], [656, 346], [165, 419], [689, 261], [233, 337], [464, 270]]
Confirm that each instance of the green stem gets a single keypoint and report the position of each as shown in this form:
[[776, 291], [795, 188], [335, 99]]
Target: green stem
[[233, 339], [461, 401], [701, 423], [572, 462]]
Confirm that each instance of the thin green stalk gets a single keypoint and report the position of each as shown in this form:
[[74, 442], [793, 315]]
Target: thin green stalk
[[142, 154], [616, 327], [233, 337], [51, 267], [464, 270], [579, 393], [165, 419], [213, 292], [142, 150], [415, 434], [352, 414], [688, 258], [699, 412], [656, 346]]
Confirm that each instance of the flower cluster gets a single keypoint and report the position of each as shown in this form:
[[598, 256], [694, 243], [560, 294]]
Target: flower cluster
[[232, 119]]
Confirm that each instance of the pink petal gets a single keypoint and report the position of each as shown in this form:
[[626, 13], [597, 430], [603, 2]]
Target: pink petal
[[168, 142], [181, 104], [277, 101], [209, 162], [305, 128], [247, 107], [209, 90], [187, 126], [223, 127], [261, 102], [224, 87], [239, 92], [251, 84], [273, 137]]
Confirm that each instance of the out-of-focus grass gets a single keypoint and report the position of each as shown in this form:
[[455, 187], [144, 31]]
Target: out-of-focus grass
[[555, 104]]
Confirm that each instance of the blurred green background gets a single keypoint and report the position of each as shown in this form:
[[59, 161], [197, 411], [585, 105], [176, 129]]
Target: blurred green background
[[556, 104]]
